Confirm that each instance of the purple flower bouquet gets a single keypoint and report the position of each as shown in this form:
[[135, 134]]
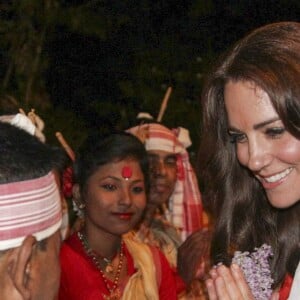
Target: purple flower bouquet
[[256, 268]]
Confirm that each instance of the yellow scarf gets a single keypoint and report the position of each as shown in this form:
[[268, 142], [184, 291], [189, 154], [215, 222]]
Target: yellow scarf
[[143, 284]]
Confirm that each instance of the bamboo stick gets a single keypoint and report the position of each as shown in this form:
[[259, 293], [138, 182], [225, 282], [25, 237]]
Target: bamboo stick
[[164, 104], [65, 145]]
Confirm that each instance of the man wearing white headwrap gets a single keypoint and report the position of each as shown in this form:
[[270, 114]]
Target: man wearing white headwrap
[[33, 124], [173, 182], [174, 191], [174, 208], [30, 216]]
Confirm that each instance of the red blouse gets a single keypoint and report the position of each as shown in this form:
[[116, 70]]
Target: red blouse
[[81, 280], [285, 289]]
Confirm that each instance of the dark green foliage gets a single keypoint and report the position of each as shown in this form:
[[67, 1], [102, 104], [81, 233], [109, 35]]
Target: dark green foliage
[[96, 64]]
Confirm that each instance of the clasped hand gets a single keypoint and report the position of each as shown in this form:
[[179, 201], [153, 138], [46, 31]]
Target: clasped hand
[[228, 283]]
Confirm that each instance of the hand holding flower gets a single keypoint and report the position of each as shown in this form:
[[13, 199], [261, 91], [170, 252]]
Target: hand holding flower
[[248, 278], [228, 283]]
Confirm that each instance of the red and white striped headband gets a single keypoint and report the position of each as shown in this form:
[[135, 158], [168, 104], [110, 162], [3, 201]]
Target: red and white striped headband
[[30, 207], [158, 137]]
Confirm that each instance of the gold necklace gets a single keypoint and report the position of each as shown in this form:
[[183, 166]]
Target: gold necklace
[[114, 292]]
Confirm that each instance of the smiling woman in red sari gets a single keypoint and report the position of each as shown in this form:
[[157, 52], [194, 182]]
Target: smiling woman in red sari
[[103, 260]]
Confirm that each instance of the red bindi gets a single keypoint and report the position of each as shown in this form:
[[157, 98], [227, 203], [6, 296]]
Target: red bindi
[[126, 172]]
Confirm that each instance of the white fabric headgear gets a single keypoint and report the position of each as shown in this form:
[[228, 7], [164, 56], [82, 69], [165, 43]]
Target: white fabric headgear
[[30, 207]]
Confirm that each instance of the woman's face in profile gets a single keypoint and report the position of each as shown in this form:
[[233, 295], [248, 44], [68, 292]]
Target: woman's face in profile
[[263, 145]]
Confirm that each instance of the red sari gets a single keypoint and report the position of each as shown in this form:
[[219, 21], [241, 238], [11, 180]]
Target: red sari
[[81, 280], [286, 287]]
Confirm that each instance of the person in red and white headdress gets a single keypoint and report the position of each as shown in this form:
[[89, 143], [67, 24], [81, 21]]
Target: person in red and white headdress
[[174, 191], [174, 208], [34, 124], [30, 216], [174, 187]]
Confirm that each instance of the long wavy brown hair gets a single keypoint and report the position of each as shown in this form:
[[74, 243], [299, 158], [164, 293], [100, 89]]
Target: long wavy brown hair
[[270, 58]]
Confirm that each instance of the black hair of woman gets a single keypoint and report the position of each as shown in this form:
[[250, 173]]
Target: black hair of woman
[[114, 146]]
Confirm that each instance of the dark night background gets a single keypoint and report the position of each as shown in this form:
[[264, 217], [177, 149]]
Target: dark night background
[[95, 64]]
